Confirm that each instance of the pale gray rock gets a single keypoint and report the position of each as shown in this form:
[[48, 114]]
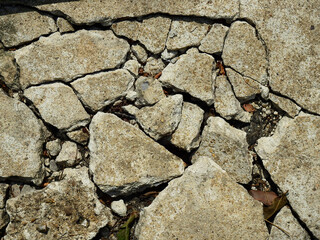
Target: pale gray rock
[[54, 147], [202, 204], [80, 136], [192, 73], [64, 26], [27, 189], [213, 42], [244, 88], [69, 155], [124, 160], [21, 141], [68, 209], [264, 92], [187, 134], [226, 104], [291, 33], [53, 166], [101, 89], [19, 25], [119, 207], [226, 146], [167, 55], [68, 56], [132, 66], [244, 52], [285, 104], [287, 222], [129, 29], [140, 53], [291, 156], [154, 66], [149, 91], [3, 194], [8, 71], [185, 34], [58, 105], [161, 119], [131, 95]]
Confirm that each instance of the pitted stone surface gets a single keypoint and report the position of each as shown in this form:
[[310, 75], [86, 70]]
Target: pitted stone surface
[[58, 105], [101, 89], [192, 73], [65, 57], [202, 204], [227, 146], [294, 166], [67, 209], [124, 160], [213, 42]]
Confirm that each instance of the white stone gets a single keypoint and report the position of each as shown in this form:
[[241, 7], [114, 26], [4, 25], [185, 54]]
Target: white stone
[[69, 154], [213, 42], [119, 207]]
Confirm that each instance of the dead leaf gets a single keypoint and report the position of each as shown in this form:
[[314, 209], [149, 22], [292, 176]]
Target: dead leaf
[[158, 75], [267, 198], [278, 203], [221, 68], [248, 107]]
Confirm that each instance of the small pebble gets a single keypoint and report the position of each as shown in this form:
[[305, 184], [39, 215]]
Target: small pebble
[[119, 207], [268, 112], [275, 113], [53, 166]]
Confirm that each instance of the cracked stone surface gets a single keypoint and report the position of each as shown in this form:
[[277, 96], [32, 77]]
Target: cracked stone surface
[[213, 42], [64, 26], [8, 70], [202, 204], [149, 91], [285, 104], [124, 160]]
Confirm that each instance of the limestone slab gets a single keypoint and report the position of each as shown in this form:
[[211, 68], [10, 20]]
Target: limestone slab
[[213, 42]]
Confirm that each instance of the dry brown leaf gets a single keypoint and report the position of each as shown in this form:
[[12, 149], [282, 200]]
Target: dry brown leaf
[[278, 203], [248, 107], [266, 198]]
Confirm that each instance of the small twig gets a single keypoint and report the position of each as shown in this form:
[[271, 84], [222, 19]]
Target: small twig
[[278, 227]]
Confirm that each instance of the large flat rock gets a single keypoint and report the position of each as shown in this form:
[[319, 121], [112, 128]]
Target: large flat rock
[[291, 156], [205, 203], [65, 57], [124, 160]]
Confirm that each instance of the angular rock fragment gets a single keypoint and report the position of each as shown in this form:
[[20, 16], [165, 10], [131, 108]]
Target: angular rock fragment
[[163, 118], [291, 156], [65, 57], [66, 209], [101, 89], [187, 134], [192, 73], [185, 34], [58, 105], [202, 204], [226, 104], [19, 25], [213, 42], [69, 155], [80, 136], [129, 29], [227, 146], [132, 66], [21, 141], [245, 53], [124, 160], [140, 53], [8, 71], [154, 66], [54, 147], [64, 25], [168, 55], [285, 104], [149, 91]]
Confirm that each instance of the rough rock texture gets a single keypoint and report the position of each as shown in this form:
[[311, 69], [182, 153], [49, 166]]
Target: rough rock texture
[[65, 57], [291, 32], [67, 209], [161, 119], [214, 40], [154, 66], [4, 218], [192, 73], [19, 25], [202, 204], [227, 146], [132, 66], [149, 91], [285, 104], [64, 25], [54, 147], [101, 89], [69, 155], [58, 105], [119, 207], [226, 104], [21, 140], [187, 134], [129, 29], [244, 52], [124, 160], [291, 156], [286, 221], [80, 136], [140, 53], [8, 71], [186, 34]]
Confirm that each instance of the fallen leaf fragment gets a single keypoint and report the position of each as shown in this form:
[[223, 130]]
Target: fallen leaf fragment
[[158, 75], [124, 232], [267, 198], [248, 107], [278, 203]]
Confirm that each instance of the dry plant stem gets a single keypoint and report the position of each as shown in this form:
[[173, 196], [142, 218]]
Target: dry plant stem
[[278, 227]]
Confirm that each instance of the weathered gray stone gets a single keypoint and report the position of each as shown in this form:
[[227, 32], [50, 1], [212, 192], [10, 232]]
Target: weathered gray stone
[[119, 207], [19, 25], [226, 104], [99, 90], [69, 155], [65, 57], [187, 134], [61, 208], [27, 189], [291, 33], [202, 204], [54, 147], [192, 73], [149, 91], [15, 190], [227, 146], [3, 194], [287, 222], [21, 141], [154, 66], [285, 104], [244, 88], [213, 42], [132, 66], [64, 25], [185, 34], [80, 136], [53, 166], [129, 29], [58, 105], [140, 53], [291, 156], [124, 160], [161, 119], [244, 52], [8, 71], [168, 55]]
